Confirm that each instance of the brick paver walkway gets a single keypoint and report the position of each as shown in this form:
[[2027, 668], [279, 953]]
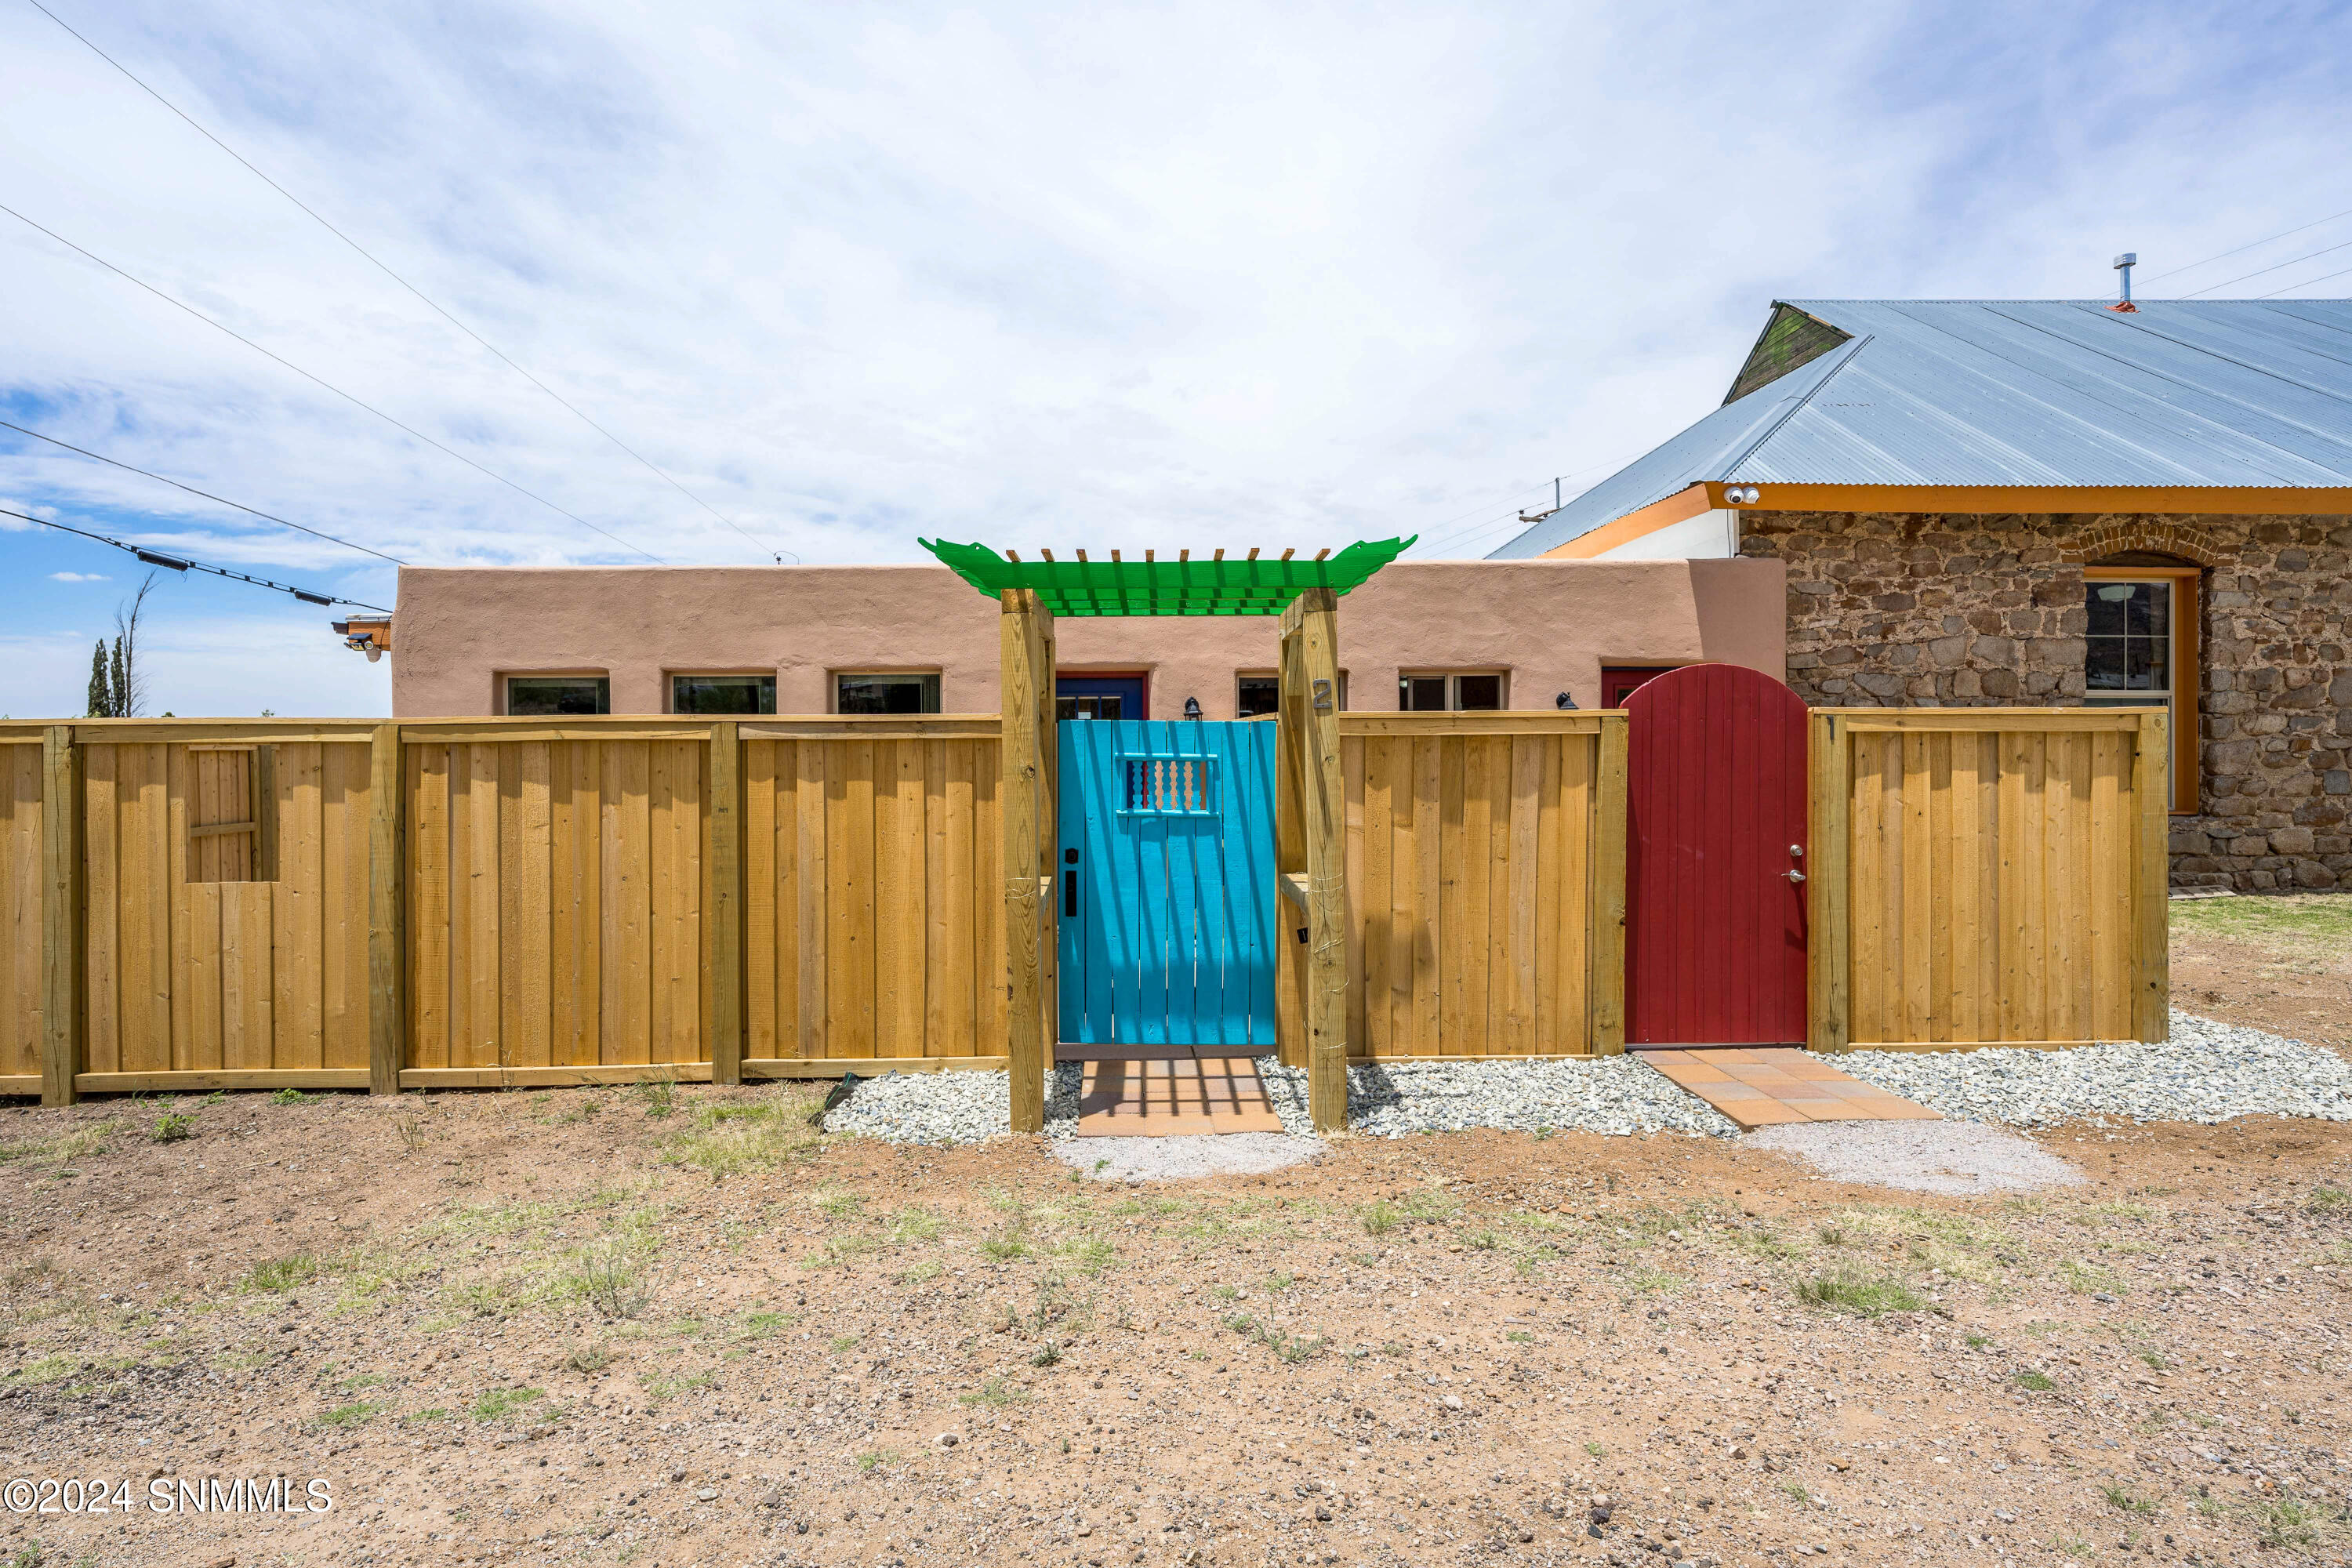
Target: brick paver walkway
[[1763, 1085], [1174, 1096]]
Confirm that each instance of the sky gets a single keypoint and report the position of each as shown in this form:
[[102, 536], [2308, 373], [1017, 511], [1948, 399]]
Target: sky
[[1182, 275]]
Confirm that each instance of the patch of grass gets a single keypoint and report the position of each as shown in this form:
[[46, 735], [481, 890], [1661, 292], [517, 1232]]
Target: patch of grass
[[1796, 1492], [1857, 1291], [171, 1127], [658, 1096], [994, 1393], [761, 1325], [1520, 1337], [2288, 1520], [918, 1273], [1004, 1248], [1431, 1205], [1976, 1341], [840, 1343], [48, 1369], [728, 1140], [912, 1227], [612, 1274], [1088, 1255], [659, 1389], [835, 1202], [2153, 1359], [1378, 1218], [589, 1358], [1596, 1451], [1286, 1347], [2031, 1381], [2328, 1200], [1048, 1354], [2290, 922], [1655, 1281], [288, 1096], [354, 1384], [2125, 1501], [874, 1459], [497, 1403], [281, 1274], [352, 1414], [2087, 1279]]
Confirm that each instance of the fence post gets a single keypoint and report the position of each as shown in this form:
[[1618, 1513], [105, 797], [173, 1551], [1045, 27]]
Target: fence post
[[2151, 882], [387, 912], [63, 934], [1026, 786], [1606, 982], [1828, 928], [727, 901], [1313, 617], [1289, 857]]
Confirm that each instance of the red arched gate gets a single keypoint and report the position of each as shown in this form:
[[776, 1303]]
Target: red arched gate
[[1715, 926]]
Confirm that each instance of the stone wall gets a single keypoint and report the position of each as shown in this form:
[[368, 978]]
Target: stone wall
[[1908, 609]]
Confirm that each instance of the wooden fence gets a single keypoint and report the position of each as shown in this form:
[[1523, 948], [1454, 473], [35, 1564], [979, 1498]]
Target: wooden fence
[[308, 903], [1987, 877], [1487, 883]]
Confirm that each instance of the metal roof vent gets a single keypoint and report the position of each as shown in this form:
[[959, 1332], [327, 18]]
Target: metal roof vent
[[2123, 264]]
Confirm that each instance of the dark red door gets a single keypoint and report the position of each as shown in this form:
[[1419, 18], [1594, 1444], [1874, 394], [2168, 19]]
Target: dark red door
[[1714, 921]]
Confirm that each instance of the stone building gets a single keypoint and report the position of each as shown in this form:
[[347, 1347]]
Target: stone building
[[2050, 503]]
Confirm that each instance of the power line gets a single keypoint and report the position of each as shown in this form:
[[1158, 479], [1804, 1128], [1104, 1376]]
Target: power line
[[2259, 271], [2195, 265], [181, 563], [403, 282], [192, 490], [338, 391], [2304, 284]]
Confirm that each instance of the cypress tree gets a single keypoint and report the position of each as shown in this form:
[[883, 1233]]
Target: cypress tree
[[101, 701], [121, 683]]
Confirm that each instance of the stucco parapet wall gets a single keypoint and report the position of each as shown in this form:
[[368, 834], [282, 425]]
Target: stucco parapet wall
[[1551, 625]]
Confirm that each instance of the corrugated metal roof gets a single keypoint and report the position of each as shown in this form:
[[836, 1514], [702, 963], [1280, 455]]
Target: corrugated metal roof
[[2022, 392]]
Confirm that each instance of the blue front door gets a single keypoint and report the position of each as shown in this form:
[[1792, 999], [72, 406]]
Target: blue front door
[[1167, 862]]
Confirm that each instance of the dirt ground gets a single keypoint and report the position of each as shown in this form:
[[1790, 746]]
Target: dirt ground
[[676, 1328]]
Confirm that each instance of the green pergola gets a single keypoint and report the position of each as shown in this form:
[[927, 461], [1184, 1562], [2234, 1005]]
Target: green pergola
[[1217, 585], [1310, 867]]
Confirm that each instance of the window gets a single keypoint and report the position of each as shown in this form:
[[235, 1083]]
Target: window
[[1467, 693], [1256, 694], [232, 821], [1620, 681], [723, 694], [885, 693], [558, 696], [2139, 649]]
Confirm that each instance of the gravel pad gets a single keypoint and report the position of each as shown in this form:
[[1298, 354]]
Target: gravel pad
[[949, 1106], [1953, 1157], [1188, 1158], [1607, 1094], [2207, 1072]]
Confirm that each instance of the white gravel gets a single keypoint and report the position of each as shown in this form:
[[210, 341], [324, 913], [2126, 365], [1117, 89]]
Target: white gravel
[[1956, 1158], [949, 1106], [2207, 1072], [1620, 1095]]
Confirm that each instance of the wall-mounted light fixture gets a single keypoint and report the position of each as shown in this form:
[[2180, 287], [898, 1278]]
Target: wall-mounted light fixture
[[1742, 495], [1192, 707], [1564, 700]]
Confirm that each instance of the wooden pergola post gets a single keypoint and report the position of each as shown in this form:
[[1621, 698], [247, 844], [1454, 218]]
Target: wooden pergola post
[[1310, 676], [1026, 642]]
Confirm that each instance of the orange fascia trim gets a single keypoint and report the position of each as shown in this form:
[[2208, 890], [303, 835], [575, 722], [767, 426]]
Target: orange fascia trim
[[2268, 501], [1658, 514]]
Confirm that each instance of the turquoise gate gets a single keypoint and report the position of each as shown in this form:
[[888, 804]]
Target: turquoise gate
[[1167, 882]]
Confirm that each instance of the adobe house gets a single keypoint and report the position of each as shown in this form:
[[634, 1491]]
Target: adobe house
[[2049, 503], [1458, 634]]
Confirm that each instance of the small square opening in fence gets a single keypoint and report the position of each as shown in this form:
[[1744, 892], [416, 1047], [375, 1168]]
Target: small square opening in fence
[[231, 795], [1161, 784]]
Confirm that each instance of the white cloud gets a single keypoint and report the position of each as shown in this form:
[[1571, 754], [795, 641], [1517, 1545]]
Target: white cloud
[[79, 577], [1211, 274]]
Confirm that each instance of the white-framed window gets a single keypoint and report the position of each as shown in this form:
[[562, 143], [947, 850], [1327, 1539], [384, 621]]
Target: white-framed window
[[2140, 650], [856, 691], [1449, 691], [558, 696], [1260, 691], [723, 695]]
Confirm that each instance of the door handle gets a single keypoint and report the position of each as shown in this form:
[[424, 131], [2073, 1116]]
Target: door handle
[[1794, 876]]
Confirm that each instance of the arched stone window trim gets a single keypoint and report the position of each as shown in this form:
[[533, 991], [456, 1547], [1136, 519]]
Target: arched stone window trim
[[2163, 536]]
